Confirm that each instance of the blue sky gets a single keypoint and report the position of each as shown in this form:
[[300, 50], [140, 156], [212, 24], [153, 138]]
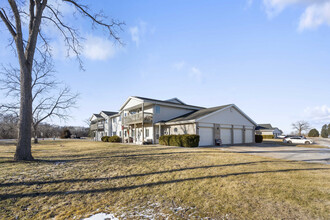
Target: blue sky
[[270, 58]]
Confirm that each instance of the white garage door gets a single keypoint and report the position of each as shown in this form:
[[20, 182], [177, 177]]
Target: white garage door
[[248, 136], [238, 136], [225, 136], [206, 136]]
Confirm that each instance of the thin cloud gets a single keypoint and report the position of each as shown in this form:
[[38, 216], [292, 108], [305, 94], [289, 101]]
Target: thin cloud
[[98, 48], [179, 65], [316, 12], [196, 74], [139, 31], [315, 16], [318, 113]]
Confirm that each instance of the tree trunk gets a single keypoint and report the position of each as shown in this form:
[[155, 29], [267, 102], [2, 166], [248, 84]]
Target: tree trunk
[[35, 134], [23, 149]]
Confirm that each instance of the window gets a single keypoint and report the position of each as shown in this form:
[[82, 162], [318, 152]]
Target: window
[[157, 109], [119, 133], [147, 132], [120, 118], [125, 134], [113, 133], [175, 130]]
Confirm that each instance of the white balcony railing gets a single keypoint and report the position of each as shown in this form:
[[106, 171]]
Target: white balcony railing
[[137, 118], [97, 127]]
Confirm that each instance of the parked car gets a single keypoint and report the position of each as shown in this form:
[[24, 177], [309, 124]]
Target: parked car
[[297, 140]]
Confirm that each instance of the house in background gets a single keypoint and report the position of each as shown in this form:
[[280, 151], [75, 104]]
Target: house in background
[[100, 124], [142, 120], [268, 129]]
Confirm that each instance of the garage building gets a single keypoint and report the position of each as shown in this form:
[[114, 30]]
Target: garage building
[[227, 123]]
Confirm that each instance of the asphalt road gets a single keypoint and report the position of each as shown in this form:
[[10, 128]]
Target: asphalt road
[[312, 155]]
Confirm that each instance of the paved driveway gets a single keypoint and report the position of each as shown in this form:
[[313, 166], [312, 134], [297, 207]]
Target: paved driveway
[[313, 155]]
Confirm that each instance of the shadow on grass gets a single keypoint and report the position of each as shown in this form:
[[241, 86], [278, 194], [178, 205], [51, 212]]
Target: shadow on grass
[[132, 175], [115, 189], [123, 155]]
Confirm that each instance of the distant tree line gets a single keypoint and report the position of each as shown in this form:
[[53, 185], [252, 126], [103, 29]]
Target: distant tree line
[[9, 129], [325, 132]]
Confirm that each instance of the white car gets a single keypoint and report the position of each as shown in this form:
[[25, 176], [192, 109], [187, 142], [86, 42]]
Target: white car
[[297, 140]]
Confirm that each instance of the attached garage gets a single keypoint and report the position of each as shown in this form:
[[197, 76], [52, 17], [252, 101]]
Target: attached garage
[[249, 135], [238, 136], [206, 137], [227, 122], [225, 135]]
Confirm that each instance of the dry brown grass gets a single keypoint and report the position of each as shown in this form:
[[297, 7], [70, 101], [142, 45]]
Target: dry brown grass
[[79, 178]]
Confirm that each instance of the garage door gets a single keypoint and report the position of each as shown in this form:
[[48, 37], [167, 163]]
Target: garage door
[[248, 136], [238, 136], [206, 136], [225, 135]]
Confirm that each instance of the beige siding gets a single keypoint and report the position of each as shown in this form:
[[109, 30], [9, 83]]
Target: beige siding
[[180, 129], [228, 116], [167, 113]]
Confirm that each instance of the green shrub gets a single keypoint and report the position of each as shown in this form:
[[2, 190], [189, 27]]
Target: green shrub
[[114, 139], [175, 140], [187, 140], [105, 138], [191, 140], [268, 136], [313, 133], [164, 140], [259, 138]]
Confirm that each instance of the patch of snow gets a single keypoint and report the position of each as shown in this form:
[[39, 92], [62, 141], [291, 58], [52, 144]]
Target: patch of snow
[[102, 216]]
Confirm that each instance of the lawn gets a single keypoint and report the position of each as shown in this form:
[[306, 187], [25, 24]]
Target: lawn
[[75, 179]]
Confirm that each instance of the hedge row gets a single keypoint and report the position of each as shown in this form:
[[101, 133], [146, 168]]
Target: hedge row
[[268, 136], [114, 139], [186, 140], [259, 138]]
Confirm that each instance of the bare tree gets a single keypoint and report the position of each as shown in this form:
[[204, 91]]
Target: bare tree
[[8, 126], [300, 126], [48, 99], [39, 14]]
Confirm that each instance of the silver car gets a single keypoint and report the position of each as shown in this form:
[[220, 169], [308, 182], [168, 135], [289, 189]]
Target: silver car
[[297, 140]]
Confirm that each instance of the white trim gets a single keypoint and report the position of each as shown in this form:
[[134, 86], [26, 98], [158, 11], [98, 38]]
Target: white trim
[[184, 106], [176, 122], [232, 105]]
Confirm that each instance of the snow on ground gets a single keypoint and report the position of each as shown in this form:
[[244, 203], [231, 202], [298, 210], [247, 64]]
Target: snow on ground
[[150, 211], [102, 216]]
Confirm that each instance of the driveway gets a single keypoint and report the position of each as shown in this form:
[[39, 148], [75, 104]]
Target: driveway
[[313, 155]]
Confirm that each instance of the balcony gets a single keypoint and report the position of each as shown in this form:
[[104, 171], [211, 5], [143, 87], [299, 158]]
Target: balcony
[[97, 127], [137, 118]]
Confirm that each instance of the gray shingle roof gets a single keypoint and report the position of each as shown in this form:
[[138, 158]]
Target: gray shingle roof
[[197, 114], [167, 102], [268, 126], [109, 113], [98, 115]]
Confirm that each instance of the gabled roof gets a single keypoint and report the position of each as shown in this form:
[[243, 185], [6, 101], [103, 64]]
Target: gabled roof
[[157, 101], [98, 116], [197, 114], [109, 113], [265, 126], [175, 100]]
